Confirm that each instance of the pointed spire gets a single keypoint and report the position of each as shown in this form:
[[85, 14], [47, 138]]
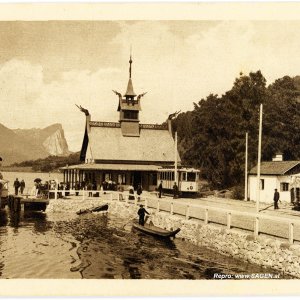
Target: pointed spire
[[130, 91], [130, 62]]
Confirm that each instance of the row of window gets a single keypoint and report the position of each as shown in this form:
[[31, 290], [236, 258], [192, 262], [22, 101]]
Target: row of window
[[184, 176], [284, 186]]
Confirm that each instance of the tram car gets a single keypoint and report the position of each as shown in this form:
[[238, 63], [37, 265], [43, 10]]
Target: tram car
[[188, 180]]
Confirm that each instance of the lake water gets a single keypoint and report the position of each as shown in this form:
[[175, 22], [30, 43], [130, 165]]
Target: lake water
[[99, 246]]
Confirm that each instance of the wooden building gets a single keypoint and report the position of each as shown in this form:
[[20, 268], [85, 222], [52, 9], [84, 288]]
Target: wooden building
[[125, 152], [276, 174]]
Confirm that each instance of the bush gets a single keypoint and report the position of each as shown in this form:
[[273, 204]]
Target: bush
[[238, 192]]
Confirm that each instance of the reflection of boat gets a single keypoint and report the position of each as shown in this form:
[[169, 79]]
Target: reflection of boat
[[103, 207], [155, 231]]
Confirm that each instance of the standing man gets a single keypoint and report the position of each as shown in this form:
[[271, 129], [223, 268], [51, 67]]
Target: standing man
[[141, 213], [276, 199], [160, 189], [16, 186], [22, 186], [175, 190]]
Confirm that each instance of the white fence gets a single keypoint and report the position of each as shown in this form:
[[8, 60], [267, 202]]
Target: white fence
[[258, 223]]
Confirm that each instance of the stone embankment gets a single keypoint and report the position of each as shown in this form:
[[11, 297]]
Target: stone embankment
[[263, 251]]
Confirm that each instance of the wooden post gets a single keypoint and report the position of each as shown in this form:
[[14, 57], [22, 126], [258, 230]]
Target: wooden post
[[256, 227], [246, 168], [157, 205], [187, 212], [291, 233], [172, 208], [228, 220], [206, 216], [259, 159]]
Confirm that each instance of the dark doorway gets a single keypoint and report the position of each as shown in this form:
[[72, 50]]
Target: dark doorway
[[137, 179]]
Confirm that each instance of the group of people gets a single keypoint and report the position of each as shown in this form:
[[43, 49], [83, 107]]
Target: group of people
[[19, 185], [175, 190]]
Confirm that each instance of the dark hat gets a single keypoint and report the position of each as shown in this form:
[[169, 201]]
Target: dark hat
[[141, 205]]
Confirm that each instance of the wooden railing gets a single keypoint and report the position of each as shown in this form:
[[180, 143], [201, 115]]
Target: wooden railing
[[156, 203]]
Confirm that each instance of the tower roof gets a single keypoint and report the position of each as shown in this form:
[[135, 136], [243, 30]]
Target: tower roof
[[130, 91]]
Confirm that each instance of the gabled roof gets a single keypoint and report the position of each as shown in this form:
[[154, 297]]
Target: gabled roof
[[153, 145], [275, 167]]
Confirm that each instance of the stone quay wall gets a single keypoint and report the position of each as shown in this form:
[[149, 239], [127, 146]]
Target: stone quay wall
[[262, 251]]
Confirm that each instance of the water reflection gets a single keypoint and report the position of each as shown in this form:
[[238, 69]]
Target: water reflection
[[3, 218], [100, 246]]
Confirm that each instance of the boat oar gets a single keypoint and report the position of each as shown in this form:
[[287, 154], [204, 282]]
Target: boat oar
[[131, 220]]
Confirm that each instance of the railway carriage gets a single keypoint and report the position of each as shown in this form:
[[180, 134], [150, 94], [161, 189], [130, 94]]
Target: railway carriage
[[188, 180]]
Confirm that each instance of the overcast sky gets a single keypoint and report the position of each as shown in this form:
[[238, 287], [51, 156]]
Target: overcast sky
[[47, 67]]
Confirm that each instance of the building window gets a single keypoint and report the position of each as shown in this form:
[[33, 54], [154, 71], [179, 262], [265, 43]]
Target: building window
[[262, 184], [122, 179], [284, 186], [129, 114], [191, 177]]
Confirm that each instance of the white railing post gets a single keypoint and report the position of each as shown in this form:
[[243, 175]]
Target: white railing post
[[157, 205], [291, 233], [228, 220], [256, 227], [55, 193], [172, 208], [187, 212], [135, 200], [206, 216]]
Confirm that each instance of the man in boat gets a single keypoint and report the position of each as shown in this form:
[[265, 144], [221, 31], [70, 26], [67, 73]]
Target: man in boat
[[141, 212]]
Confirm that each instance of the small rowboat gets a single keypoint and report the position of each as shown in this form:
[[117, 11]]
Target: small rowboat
[[155, 231], [103, 207]]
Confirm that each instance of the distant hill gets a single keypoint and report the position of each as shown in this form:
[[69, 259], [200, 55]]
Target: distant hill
[[48, 164], [17, 145]]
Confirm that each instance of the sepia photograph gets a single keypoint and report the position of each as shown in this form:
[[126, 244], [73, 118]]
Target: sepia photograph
[[143, 148]]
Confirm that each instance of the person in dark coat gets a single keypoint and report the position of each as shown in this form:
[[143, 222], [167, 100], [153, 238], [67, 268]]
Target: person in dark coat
[[16, 186], [276, 199], [141, 212], [175, 190], [139, 191], [131, 193], [22, 186], [77, 188], [160, 188]]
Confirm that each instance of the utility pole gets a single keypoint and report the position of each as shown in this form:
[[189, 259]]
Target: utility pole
[[246, 168], [175, 150], [259, 158]]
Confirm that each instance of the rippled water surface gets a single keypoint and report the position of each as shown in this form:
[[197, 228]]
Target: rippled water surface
[[64, 245]]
